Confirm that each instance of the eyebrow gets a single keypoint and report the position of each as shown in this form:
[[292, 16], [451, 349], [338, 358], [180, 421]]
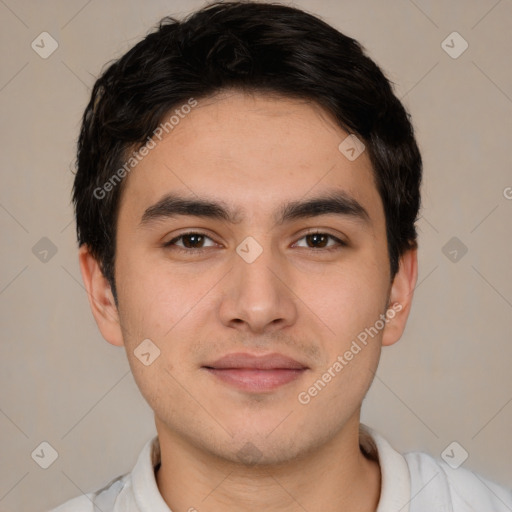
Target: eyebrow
[[335, 202]]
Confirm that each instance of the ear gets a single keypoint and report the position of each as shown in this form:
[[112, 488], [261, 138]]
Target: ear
[[100, 296], [400, 297]]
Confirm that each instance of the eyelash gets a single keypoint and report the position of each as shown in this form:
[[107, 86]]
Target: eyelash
[[171, 243]]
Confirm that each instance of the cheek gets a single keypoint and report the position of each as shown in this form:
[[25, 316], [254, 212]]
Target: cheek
[[348, 297], [153, 306], [149, 298], [350, 335], [167, 304]]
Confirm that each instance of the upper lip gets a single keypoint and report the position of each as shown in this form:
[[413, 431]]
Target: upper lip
[[241, 360]]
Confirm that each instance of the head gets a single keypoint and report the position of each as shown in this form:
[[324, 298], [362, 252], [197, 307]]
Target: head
[[240, 124]]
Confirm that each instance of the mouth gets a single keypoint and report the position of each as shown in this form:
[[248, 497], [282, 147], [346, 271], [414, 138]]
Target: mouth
[[252, 373]]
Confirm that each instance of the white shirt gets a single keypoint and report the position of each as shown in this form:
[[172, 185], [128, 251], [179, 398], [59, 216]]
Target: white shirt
[[414, 482]]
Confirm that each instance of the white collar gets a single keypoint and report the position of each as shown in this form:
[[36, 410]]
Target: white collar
[[395, 494], [395, 489]]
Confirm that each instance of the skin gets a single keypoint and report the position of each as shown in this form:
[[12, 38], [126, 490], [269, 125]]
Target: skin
[[254, 153]]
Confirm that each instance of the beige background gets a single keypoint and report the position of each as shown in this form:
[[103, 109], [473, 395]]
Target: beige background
[[448, 379]]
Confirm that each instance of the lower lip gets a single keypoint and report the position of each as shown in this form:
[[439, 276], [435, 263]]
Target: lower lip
[[256, 380]]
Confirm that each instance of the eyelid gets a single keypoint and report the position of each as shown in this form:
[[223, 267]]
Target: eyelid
[[199, 232], [323, 231], [311, 231]]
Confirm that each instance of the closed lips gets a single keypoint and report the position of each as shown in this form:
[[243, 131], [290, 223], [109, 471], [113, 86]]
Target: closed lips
[[253, 362]]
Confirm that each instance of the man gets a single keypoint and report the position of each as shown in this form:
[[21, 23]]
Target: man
[[246, 196]]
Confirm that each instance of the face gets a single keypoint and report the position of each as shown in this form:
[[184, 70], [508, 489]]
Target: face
[[247, 231]]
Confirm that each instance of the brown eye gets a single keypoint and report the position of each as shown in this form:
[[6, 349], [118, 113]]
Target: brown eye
[[191, 241], [317, 240], [321, 241]]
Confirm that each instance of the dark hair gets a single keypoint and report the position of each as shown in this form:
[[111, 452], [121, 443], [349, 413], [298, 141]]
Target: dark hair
[[252, 47]]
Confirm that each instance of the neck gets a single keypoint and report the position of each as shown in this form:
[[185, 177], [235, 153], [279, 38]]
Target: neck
[[335, 476]]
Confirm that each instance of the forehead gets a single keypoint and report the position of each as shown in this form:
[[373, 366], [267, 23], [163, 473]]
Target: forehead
[[253, 152]]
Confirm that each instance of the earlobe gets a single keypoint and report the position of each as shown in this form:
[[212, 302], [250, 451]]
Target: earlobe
[[100, 297], [401, 295]]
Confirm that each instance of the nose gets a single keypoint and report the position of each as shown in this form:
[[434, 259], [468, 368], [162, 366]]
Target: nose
[[257, 295]]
